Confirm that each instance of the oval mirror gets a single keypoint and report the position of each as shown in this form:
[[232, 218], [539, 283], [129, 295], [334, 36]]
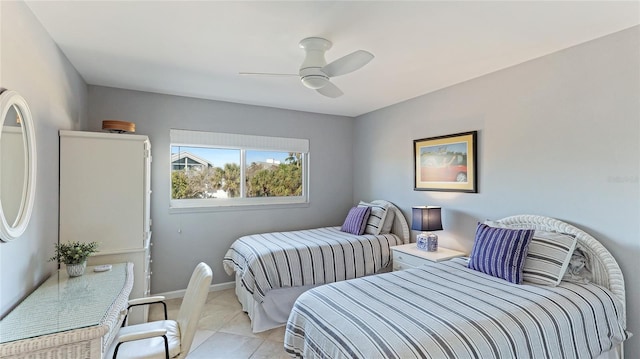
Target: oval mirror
[[17, 165]]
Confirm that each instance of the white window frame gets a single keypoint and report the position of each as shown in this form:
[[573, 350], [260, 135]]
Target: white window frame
[[188, 138]]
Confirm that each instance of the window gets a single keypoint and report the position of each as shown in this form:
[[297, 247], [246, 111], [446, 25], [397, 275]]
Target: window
[[211, 169]]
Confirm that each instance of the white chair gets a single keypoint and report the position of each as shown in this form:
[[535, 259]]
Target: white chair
[[165, 338]]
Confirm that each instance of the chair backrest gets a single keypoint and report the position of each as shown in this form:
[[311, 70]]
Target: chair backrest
[[192, 304]]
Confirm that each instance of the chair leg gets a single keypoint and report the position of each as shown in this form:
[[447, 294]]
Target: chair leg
[[115, 352], [166, 347]]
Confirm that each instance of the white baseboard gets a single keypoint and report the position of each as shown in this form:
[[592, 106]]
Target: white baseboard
[[212, 288]]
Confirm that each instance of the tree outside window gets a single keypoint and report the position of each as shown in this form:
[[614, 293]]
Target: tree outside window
[[209, 173]]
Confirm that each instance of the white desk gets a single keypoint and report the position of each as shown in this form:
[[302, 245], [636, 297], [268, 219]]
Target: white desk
[[68, 317]]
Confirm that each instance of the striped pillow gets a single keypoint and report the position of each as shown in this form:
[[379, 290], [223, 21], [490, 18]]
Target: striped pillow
[[377, 217], [500, 252], [356, 220], [388, 222], [548, 257]]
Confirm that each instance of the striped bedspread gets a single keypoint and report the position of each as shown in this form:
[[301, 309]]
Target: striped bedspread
[[444, 310], [308, 257]]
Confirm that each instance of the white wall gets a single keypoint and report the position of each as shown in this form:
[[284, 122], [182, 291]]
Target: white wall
[[558, 136], [32, 64], [207, 236]]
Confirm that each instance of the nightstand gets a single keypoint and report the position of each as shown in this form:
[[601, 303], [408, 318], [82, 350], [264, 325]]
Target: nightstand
[[409, 256]]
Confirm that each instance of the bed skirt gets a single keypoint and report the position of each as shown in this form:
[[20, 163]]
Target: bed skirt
[[274, 310]]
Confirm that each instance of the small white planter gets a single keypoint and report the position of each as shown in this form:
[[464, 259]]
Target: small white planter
[[76, 270]]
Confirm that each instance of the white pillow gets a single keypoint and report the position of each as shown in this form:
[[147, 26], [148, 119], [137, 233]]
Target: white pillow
[[579, 268], [548, 257], [388, 221], [494, 224], [375, 222]]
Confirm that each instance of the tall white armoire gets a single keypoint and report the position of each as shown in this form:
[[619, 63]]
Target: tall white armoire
[[104, 197]]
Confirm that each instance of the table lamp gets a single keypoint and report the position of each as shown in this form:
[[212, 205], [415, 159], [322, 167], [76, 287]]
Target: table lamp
[[426, 219]]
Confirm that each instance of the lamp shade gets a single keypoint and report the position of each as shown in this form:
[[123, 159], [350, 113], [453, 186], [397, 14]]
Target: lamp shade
[[426, 218]]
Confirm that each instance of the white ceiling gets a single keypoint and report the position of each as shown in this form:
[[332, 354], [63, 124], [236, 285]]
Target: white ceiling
[[197, 48]]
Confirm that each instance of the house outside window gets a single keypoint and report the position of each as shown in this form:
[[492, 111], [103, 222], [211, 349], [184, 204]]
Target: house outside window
[[183, 160], [211, 169]]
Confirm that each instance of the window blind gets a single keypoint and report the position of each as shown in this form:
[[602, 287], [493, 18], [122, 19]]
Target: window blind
[[230, 140]]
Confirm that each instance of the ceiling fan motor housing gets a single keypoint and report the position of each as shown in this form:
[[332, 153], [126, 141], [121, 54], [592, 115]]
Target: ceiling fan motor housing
[[311, 74]]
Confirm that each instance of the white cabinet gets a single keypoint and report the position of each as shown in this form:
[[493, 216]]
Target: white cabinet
[[104, 197]]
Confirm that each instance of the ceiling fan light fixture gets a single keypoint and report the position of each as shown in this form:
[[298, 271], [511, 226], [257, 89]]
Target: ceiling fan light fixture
[[314, 82]]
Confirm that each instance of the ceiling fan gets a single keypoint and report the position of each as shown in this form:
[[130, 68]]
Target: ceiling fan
[[316, 74]]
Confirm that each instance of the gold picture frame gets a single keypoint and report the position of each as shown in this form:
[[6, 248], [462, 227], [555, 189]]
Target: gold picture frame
[[446, 163]]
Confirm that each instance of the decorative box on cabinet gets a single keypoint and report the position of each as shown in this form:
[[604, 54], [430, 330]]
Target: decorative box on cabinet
[[104, 197]]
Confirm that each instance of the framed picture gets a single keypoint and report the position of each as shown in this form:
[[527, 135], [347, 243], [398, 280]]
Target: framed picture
[[446, 163]]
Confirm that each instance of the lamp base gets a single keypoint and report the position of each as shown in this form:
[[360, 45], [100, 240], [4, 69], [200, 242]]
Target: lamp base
[[427, 242], [421, 241]]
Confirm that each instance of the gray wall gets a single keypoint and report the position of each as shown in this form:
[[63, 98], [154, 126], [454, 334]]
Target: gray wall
[[32, 64], [206, 236], [558, 136]]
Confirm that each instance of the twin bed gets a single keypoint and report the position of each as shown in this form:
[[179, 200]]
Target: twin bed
[[273, 269], [447, 310]]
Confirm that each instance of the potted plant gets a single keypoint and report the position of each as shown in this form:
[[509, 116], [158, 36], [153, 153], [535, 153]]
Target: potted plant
[[74, 255]]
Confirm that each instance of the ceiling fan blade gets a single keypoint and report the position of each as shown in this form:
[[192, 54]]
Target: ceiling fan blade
[[330, 90], [349, 63], [265, 74]]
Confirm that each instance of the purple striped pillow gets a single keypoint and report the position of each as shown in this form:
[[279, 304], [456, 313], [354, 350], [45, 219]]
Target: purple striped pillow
[[356, 220], [500, 252]]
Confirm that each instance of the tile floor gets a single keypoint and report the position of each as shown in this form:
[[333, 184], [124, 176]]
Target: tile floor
[[224, 330]]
